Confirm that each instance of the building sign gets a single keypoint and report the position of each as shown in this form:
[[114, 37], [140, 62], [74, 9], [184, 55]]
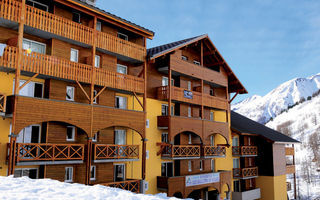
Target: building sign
[[202, 179], [188, 94]]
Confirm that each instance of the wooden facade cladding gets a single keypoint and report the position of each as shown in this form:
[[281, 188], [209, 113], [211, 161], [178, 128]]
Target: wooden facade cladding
[[35, 110], [54, 24], [3, 102], [244, 173], [177, 184], [112, 151], [244, 151], [290, 169], [130, 185], [178, 95], [289, 151], [186, 124], [203, 73], [65, 69]]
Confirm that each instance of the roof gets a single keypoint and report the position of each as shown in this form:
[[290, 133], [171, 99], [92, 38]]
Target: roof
[[114, 16], [245, 125], [161, 50]]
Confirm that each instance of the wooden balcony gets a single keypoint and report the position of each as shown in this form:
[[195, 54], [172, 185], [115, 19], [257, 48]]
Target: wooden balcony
[[62, 27], [130, 185], [178, 152], [113, 153], [38, 153], [290, 169], [193, 97], [245, 173], [244, 151], [289, 151], [214, 151], [190, 69], [65, 69], [3, 102]]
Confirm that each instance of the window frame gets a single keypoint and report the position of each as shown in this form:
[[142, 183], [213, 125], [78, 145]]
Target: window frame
[[71, 175], [189, 166], [99, 27], [211, 117], [201, 164], [126, 37], [79, 17], [196, 62], [97, 64], [185, 58], [189, 111], [77, 58], [26, 169], [36, 42], [164, 135], [35, 2], [95, 100], [73, 134], [124, 66], [166, 168], [94, 168], [73, 89], [126, 102]]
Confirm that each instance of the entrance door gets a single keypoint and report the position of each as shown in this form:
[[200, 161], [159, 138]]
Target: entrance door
[[119, 172]]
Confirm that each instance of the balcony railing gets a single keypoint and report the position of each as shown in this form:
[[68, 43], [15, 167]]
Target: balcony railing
[[66, 69], [290, 169], [214, 151], [110, 151], [289, 151], [130, 185], [3, 102], [244, 151], [179, 94], [180, 151], [49, 152], [245, 172]]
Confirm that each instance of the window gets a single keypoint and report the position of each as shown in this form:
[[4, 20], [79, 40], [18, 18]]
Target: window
[[30, 134], [184, 58], [164, 110], [236, 186], [189, 111], [119, 172], [189, 85], [97, 61], [189, 138], [164, 137], [122, 36], [74, 55], [31, 173], [122, 69], [236, 163], [211, 91], [95, 137], [167, 169], [71, 130], [147, 123], [212, 140], [211, 116], [165, 81], [93, 173], [95, 100], [32, 89], [196, 62], [201, 165], [213, 165], [189, 166], [68, 177], [99, 25], [70, 93], [120, 137], [235, 141], [37, 5], [34, 46], [121, 102], [76, 17]]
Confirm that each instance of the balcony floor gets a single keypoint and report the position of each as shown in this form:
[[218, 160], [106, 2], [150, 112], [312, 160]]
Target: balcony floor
[[58, 162]]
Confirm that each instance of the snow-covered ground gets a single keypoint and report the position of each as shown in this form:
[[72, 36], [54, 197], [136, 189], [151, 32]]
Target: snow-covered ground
[[36, 189]]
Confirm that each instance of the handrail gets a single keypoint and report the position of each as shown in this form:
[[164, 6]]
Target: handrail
[[214, 150], [3, 102], [245, 150], [113, 151], [175, 151], [130, 185], [245, 172]]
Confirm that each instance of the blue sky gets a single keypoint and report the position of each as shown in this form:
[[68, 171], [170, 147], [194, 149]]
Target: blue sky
[[265, 42]]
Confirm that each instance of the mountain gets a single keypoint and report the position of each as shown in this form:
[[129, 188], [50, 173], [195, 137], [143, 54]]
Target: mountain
[[286, 95]]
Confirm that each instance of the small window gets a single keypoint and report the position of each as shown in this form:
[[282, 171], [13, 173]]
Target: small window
[[196, 62], [201, 165], [74, 55], [235, 141], [213, 165], [236, 186], [189, 166], [212, 140], [37, 5], [147, 123], [93, 173], [211, 91], [189, 85], [76, 17], [38, 90], [68, 177], [95, 137], [121, 102], [97, 61], [184, 58], [236, 164], [211, 116], [34, 46], [31, 173], [70, 93], [167, 169], [99, 25], [122, 36], [164, 110], [189, 138], [164, 137], [122, 69], [189, 111], [165, 81], [71, 130], [95, 100]]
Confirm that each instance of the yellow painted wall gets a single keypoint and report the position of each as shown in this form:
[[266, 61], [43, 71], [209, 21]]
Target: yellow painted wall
[[272, 187]]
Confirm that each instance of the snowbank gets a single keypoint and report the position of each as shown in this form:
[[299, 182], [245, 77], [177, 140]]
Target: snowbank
[[25, 188]]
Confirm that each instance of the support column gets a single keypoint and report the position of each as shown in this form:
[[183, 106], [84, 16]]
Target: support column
[[88, 162], [11, 163], [294, 176], [169, 103], [143, 167], [144, 145]]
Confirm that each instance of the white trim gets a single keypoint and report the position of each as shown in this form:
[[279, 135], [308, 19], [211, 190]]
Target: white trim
[[77, 58], [94, 168], [71, 175], [73, 134]]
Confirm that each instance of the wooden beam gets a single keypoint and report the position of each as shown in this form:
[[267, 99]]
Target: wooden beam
[[85, 93], [135, 95], [234, 97], [209, 53], [28, 81], [141, 73], [234, 82], [100, 92], [216, 64]]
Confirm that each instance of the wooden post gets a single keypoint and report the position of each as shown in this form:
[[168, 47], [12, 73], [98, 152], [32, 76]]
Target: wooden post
[[143, 167], [169, 103], [89, 158], [144, 148], [294, 176], [11, 163]]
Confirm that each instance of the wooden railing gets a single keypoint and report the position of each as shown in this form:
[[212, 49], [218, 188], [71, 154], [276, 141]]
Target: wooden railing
[[178, 94], [3, 102], [45, 21], [214, 151], [66, 69], [113, 151], [178, 151], [244, 150], [49, 152], [289, 151], [290, 169], [130, 185], [245, 172]]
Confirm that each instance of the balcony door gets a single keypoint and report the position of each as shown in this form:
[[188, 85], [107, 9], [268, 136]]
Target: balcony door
[[119, 172], [32, 89], [120, 137], [34, 46], [30, 134]]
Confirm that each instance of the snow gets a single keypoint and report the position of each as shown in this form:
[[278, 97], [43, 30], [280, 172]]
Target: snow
[[36, 189]]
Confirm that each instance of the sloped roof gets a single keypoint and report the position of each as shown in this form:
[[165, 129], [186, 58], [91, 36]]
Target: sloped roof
[[234, 83], [245, 125]]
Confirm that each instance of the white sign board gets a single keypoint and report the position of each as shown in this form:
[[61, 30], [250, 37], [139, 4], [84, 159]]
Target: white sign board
[[201, 179]]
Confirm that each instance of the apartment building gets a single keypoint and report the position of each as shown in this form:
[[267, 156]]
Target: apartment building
[[72, 93]]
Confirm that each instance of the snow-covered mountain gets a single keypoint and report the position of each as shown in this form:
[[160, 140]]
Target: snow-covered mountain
[[262, 109]]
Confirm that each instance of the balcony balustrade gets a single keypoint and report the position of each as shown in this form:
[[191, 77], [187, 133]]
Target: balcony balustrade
[[105, 152], [244, 173], [180, 151], [130, 185], [3, 102], [244, 151], [214, 151]]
